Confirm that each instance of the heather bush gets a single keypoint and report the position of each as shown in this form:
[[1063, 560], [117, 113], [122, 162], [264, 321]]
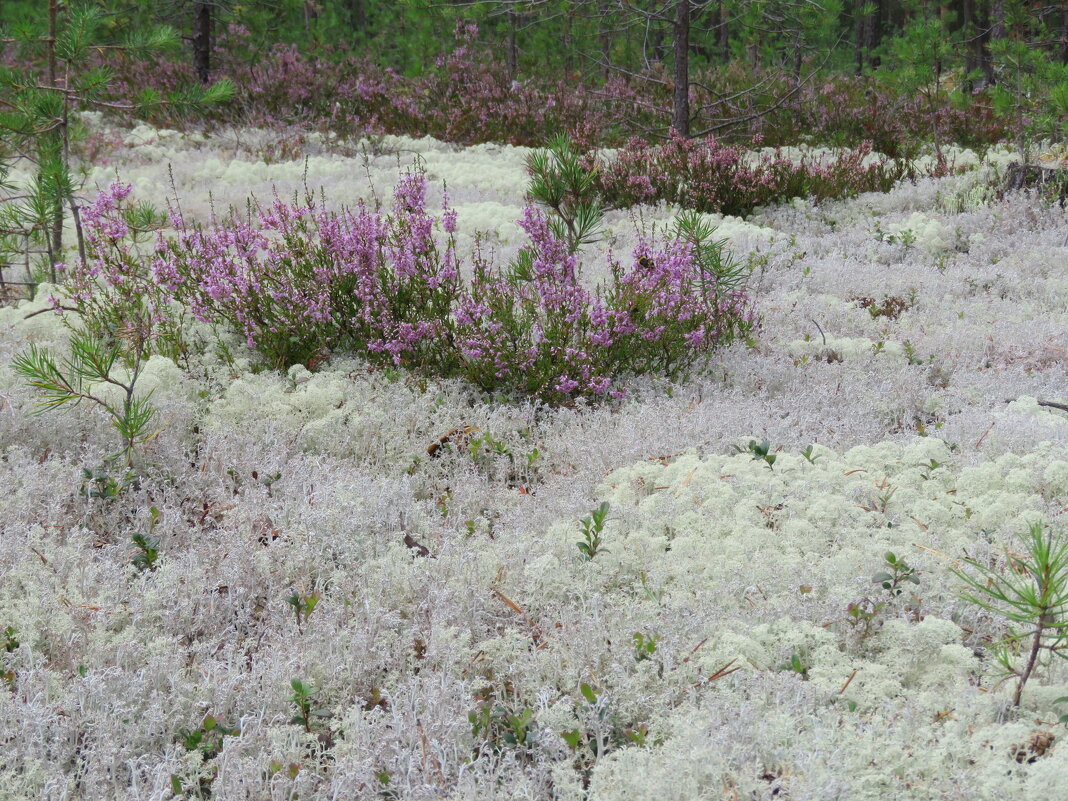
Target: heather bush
[[109, 295], [533, 325], [299, 282], [710, 176], [465, 97], [468, 96]]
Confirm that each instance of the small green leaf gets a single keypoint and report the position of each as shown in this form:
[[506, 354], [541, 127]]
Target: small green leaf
[[573, 738]]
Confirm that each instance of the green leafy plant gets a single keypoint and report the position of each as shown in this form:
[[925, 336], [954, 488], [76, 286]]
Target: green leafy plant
[[797, 664], [207, 739], [644, 645], [1031, 590], [303, 606], [900, 572], [761, 451], [928, 469], [100, 483], [1062, 700], [810, 455], [601, 731], [81, 376], [307, 714], [147, 546], [592, 528], [496, 726], [862, 614], [11, 640]]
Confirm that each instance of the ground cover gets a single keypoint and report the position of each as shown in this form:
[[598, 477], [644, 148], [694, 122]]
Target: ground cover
[[356, 581]]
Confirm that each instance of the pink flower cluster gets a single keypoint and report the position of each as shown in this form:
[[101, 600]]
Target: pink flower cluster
[[299, 281], [710, 176], [469, 96]]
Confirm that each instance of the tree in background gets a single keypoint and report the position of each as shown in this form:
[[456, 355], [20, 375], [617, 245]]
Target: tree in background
[[68, 51]]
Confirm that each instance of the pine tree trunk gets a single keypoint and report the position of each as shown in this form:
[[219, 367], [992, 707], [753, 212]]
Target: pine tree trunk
[[858, 36], [605, 37], [513, 48], [724, 35], [1064, 31], [681, 117], [202, 41], [971, 35], [358, 14], [55, 236]]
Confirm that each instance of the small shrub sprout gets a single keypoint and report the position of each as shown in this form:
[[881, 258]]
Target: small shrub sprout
[[761, 451], [592, 527], [307, 714], [899, 573], [303, 606]]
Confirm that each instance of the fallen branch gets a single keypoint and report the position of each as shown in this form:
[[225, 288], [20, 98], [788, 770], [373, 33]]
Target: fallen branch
[[1051, 404]]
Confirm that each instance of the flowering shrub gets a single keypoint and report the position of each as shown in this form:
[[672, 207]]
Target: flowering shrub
[[299, 281], [536, 327], [113, 295], [709, 176], [467, 96]]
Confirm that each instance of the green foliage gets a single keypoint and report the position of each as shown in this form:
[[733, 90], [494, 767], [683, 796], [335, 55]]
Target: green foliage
[[798, 664], [899, 573], [206, 740], [147, 552], [303, 606], [862, 614], [302, 698], [592, 527], [499, 728], [99, 482], [601, 730], [147, 545], [38, 121], [561, 182], [761, 452], [82, 375], [722, 273], [644, 645], [1031, 590]]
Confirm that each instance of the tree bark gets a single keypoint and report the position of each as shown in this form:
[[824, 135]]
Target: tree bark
[[681, 116], [858, 36], [605, 37], [972, 44], [997, 23], [55, 236], [202, 40], [513, 48], [1064, 31], [875, 32], [724, 35], [358, 15]]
